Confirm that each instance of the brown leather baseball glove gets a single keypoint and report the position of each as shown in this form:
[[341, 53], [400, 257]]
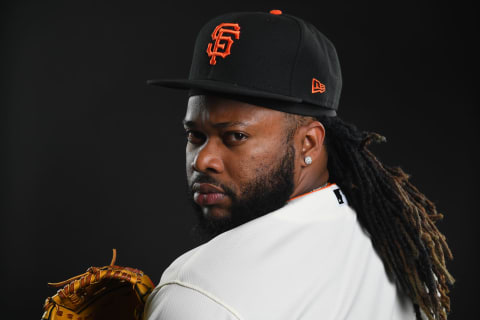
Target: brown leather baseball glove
[[109, 292]]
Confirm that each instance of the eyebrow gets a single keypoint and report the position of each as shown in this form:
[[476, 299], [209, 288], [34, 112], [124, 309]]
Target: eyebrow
[[221, 125]]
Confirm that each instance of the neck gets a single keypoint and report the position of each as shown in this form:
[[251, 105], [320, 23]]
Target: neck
[[309, 183]]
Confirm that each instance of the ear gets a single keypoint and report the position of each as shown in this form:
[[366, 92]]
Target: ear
[[313, 136]]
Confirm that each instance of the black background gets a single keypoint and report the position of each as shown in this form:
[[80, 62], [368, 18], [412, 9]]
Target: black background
[[93, 159]]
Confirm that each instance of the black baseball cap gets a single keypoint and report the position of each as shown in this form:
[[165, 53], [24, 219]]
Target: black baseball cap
[[273, 59]]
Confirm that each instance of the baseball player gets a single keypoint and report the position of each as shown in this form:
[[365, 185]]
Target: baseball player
[[303, 221]]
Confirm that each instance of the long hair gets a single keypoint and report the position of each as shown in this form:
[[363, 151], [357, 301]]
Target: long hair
[[398, 217]]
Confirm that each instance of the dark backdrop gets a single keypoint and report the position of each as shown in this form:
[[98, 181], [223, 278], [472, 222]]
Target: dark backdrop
[[93, 159]]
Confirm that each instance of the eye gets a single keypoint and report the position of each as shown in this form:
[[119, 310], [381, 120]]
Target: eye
[[234, 137], [195, 137]]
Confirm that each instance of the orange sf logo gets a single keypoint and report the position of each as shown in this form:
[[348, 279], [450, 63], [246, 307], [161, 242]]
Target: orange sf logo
[[223, 41]]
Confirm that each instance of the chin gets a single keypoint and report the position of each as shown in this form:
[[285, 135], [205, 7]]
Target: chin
[[216, 214]]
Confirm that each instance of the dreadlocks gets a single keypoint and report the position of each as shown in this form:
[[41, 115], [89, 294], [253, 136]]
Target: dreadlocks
[[399, 218]]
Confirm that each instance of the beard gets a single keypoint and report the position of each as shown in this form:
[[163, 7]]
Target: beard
[[269, 191]]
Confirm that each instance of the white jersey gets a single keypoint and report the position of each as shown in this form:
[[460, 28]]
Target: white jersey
[[307, 260]]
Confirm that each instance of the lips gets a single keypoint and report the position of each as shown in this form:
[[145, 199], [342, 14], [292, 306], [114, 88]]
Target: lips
[[206, 194]]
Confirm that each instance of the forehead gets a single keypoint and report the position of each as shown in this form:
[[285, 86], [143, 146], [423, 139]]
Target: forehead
[[213, 109]]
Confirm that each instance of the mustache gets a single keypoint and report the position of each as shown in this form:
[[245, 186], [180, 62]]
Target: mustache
[[203, 178]]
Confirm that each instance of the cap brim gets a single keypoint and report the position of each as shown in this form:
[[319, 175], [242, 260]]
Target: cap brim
[[221, 87]]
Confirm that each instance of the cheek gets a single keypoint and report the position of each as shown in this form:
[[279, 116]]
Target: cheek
[[189, 157], [247, 166]]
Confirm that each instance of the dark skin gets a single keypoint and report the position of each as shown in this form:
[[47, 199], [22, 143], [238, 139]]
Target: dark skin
[[232, 142]]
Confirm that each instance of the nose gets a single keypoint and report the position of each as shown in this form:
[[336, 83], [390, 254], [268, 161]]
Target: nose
[[208, 159]]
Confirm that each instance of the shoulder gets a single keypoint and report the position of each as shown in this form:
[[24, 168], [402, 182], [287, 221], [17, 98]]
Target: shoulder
[[312, 221], [305, 222], [314, 246]]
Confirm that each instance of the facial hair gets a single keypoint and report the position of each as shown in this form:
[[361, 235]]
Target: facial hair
[[269, 191]]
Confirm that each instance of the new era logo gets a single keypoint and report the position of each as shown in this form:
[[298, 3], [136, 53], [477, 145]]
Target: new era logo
[[317, 86]]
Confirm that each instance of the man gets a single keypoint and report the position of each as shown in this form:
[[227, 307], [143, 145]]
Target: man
[[304, 221]]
